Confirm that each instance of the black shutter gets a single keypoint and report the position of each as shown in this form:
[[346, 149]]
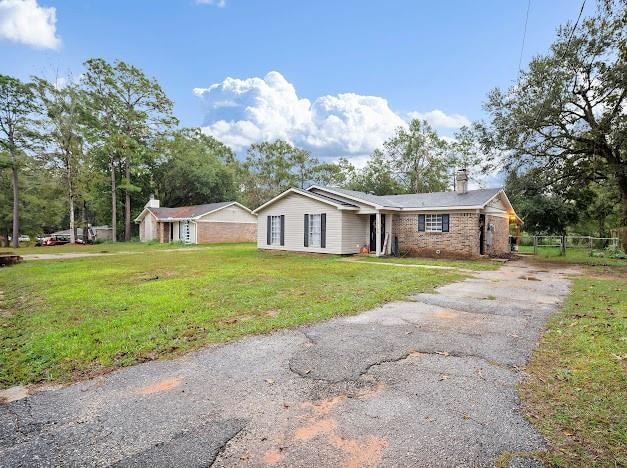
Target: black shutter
[[282, 229], [445, 223], [306, 244], [421, 223], [323, 230], [269, 230]]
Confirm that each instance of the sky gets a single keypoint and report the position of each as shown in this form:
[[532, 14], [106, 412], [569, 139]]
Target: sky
[[334, 77]]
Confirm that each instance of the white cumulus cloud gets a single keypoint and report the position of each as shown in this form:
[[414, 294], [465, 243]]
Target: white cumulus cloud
[[244, 111], [218, 3], [26, 22], [440, 119]]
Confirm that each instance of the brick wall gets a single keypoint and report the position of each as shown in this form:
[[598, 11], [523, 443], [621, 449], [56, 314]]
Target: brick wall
[[462, 240], [226, 232], [500, 242]]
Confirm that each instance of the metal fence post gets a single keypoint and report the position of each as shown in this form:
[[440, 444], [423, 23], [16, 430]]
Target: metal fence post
[[562, 246], [535, 245]]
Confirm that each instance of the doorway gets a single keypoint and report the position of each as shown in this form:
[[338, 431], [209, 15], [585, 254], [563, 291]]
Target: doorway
[[373, 232]]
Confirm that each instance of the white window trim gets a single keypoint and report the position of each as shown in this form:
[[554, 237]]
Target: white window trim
[[315, 230], [433, 223], [275, 230]]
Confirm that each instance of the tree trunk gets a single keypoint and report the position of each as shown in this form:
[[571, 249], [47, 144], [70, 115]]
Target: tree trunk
[[114, 202], [16, 205], [127, 204], [84, 223], [72, 221], [602, 232]]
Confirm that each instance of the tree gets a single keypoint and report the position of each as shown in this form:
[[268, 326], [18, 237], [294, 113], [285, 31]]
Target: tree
[[376, 177], [303, 165], [598, 205], [336, 174], [17, 109], [544, 212], [130, 112], [566, 113], [63, 111], [270, 168], [196, 170], [465, 152], [418, 158]]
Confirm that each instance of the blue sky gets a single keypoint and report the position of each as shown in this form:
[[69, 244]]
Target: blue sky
[[419, 56]]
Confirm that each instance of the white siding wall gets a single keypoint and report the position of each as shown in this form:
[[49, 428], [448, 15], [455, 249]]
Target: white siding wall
[[192, 232], [496, 207], [176, 231], [355, 232], [150, 228], [294, 207], [230, 214]]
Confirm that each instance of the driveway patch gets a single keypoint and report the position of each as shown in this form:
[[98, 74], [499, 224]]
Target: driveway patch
[[425, 382]]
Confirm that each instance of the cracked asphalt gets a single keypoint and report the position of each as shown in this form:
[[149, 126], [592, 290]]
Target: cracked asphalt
[[429, 381]]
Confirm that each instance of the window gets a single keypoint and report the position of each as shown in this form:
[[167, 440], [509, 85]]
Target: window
[[315, 230], [275, 230], [433, 223], [185, 232]]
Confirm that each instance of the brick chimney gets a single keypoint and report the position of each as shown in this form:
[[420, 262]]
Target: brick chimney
[[153, 202], [461, 181]]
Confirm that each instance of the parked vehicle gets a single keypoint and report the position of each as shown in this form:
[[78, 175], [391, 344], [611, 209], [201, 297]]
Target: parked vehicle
[[22, 238], [57, 240]]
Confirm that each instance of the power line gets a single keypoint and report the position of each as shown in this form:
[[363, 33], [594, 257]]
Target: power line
[[522, 47], [570, 36], [583, 4]]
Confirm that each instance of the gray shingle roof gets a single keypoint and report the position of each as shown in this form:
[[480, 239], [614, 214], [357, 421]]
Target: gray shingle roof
[[424, 200], [185, 212]]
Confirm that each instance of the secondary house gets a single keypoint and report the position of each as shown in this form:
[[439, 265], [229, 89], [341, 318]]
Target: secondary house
[[466, 223], [197, 224]]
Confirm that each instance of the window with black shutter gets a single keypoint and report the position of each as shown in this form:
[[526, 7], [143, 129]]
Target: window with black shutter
[[282, 229], [421, 223]]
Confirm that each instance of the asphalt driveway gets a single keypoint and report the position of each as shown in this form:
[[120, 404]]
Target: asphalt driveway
[[425, 382]]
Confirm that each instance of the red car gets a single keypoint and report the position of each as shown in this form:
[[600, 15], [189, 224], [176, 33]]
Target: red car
[[56, 240]]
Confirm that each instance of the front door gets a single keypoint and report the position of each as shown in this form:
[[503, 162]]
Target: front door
[[373, 232]]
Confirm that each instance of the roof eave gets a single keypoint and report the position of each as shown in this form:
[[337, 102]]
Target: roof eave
[[304, 193], [340, 194], [440, 208]]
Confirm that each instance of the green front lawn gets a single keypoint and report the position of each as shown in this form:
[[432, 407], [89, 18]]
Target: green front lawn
[[576, 393], [573, 256], [103, 247], [62, 320], [465, 264]]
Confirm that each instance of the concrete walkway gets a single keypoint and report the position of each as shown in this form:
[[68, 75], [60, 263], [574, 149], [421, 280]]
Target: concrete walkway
[[424, 382]]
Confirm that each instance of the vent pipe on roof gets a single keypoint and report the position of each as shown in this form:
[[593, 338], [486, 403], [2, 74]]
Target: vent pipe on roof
[[461, 179]]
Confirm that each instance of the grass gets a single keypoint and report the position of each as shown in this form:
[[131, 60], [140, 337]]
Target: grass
[[576, 392], [62, 320], [103, 247], [573, 256], [466, 264]]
